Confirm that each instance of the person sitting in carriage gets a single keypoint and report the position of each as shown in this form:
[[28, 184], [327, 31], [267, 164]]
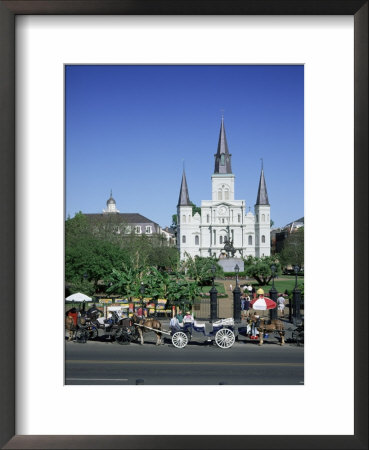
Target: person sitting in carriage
[[174, 324]]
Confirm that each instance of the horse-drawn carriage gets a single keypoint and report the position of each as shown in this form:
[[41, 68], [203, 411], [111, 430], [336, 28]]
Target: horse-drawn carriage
[[125, 330], [91, 326], [222, 331], [262, 329]]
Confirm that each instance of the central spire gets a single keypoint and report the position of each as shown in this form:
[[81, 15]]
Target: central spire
[[222, 157]]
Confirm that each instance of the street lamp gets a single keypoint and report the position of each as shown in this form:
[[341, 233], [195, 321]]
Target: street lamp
[[213, 296], [296, 299], [273, 313], [237, 298], [273, 267], [142, 292], [296, 270], [213, 270], [236, 269]]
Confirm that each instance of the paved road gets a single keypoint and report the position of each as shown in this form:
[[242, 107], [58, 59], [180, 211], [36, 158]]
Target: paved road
[[197, 364]]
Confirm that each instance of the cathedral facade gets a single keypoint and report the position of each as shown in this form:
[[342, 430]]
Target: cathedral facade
[[223, 218]]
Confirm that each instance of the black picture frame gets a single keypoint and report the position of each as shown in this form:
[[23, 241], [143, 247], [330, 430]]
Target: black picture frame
[[8, 12]]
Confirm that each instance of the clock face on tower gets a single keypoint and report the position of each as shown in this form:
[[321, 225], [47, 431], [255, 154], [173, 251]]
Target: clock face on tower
[[222, 210]]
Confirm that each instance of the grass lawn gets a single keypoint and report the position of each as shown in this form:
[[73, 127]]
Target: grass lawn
[[282, 285], [219, 287]]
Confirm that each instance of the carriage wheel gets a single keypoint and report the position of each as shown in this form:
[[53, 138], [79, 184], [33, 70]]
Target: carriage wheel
[[93, 333], [179, 339], [224, 338], [123, 338], [82, 335]]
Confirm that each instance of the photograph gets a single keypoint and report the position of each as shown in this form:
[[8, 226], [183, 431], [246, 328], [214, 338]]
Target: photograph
[[175, 149], [184, 224]]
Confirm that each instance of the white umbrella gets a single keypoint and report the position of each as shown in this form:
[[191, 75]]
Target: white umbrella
[[263, 303], [78, 297]]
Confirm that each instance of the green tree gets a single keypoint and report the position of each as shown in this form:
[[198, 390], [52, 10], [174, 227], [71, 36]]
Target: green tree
[[76, 228], [96, 248], [198, 268], [260, 268], [125, 282], [93, 257], [162, 255], [293, 249]]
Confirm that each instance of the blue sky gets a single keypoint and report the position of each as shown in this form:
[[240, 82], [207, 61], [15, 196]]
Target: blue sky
[[129, 129]]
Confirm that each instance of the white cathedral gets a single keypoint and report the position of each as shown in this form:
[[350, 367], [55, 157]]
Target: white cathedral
[[223, 218]]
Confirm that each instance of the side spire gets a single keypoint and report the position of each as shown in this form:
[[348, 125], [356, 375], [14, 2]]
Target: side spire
[[184, 199], [222, 157], [262, 198]]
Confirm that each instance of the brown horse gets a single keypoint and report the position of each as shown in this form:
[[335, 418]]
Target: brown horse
[[151, 323], [70, 327], [275, 325]]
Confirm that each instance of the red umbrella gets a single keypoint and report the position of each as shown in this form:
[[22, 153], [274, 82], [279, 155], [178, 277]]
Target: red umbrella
[[263, 303]]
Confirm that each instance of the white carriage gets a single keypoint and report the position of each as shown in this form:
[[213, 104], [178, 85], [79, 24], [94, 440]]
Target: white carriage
[[222, 331]]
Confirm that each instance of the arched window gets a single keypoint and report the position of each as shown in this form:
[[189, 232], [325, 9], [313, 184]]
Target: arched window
[[263, 239], [197, 240], [208, 218], [250, 240], [220, 239], [257, 217], [263, 217], [226, 194], [189, 218], [239, 218], [219, 194], [183, 239], [183, 219], [215, 236]]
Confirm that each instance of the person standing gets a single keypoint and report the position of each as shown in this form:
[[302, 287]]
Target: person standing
[[281, 304], [180, 316], [255, 322], [253, 292], [247, 305], [243, 299]]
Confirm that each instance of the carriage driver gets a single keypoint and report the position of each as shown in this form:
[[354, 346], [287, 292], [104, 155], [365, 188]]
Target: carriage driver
[[188, 317]]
